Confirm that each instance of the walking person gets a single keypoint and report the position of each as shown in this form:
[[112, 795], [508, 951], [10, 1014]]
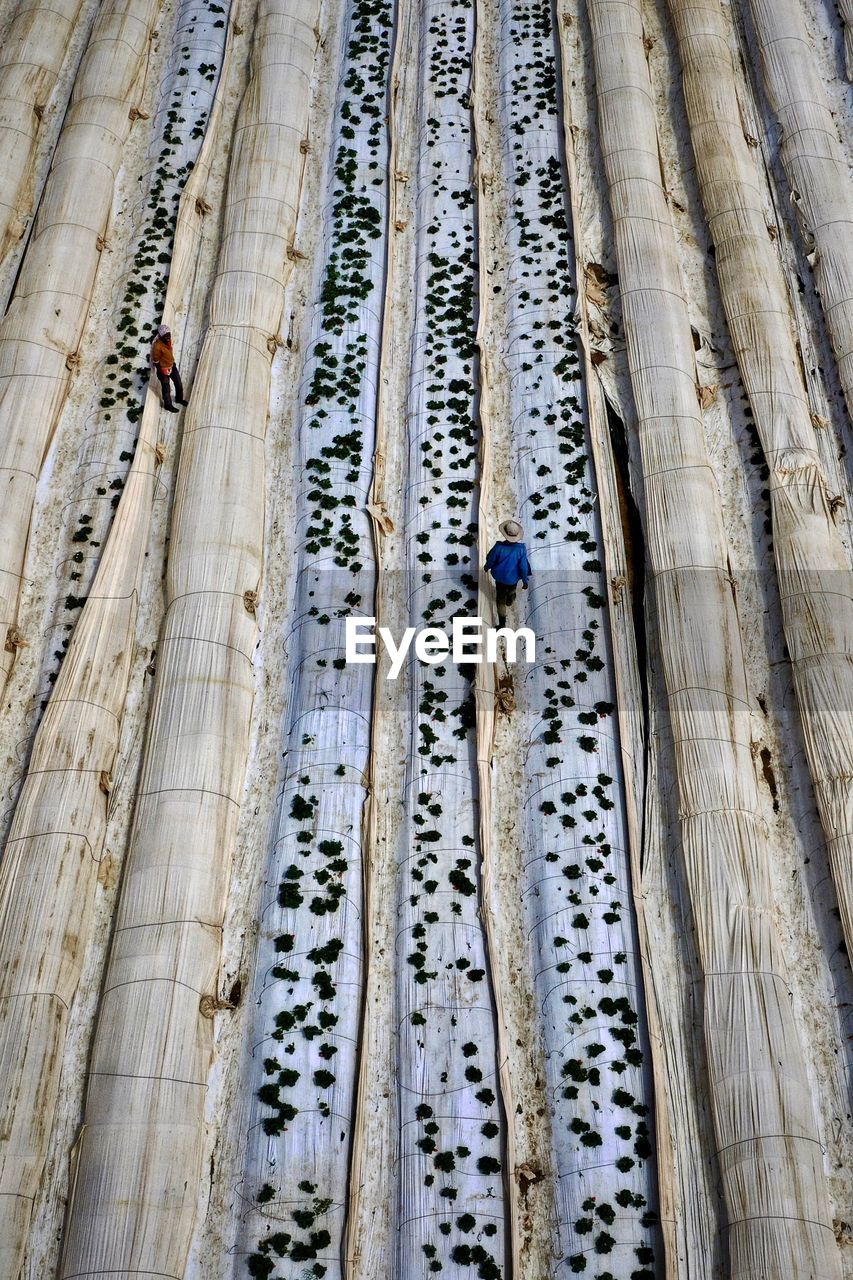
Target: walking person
[[163, 359], [508, 564]]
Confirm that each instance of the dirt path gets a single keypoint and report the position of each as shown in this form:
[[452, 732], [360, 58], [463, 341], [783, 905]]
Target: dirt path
[[533, 1174]]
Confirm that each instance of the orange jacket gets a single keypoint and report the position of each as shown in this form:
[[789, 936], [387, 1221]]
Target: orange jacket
[[163, 356]]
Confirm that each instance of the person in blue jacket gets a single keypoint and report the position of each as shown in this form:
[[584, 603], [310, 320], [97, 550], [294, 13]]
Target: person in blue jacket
[[508, 564]]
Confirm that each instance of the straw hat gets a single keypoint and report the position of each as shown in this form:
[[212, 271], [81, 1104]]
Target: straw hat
[[511, 530]]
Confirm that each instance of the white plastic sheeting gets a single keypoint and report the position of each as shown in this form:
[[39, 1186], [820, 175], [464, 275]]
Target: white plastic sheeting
[[450, 1199], [33, 48], [40, 332], [577, 875], [768, 1147], [138, 1157], [815, 580], [816, 165], [309, 977]]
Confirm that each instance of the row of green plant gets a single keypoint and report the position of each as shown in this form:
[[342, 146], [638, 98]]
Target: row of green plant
[[310, 961], [451, 1174], [577, 879], [122, 381]]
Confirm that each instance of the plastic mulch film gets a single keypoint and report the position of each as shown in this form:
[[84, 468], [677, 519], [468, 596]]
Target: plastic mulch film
[[40, 332], [451, 1149], [33, 49], [137, 1161], [309, 976], [577, 883], [55, 846], [768, 1147], [815, 162], [816, 583]]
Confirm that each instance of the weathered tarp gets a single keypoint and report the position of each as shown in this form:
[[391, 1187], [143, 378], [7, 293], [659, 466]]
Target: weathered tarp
[[815, 579], [768, 1148], [40, 333], [815, 162]]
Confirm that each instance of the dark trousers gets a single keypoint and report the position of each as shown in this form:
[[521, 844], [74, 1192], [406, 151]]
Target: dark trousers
[[166, 389], [504, 597]]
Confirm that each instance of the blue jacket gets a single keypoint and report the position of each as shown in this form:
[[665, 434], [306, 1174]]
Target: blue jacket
[[508, 563]]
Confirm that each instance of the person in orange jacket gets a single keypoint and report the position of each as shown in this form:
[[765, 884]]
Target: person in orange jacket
[[163, 359]]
